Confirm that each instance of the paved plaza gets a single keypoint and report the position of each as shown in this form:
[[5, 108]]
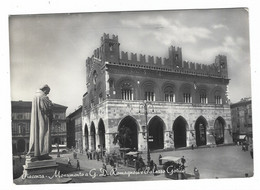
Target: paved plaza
[[217, 162]]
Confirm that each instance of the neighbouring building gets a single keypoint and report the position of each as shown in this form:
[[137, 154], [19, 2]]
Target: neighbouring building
[[21, 118], [186, 102], [241, 113], [74, 129]]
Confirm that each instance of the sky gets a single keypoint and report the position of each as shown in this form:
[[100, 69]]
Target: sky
[[52, 48]]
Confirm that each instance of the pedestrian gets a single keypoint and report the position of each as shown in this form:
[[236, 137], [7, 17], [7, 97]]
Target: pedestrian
[[151, 165], [196, 173], [111, 162], [154, 169], [69, 163], [192, 147], [251, 150], [104, 168], [160, 159], [87, 153], [90, 155], [137, 164], [183, 161], [78, 166]]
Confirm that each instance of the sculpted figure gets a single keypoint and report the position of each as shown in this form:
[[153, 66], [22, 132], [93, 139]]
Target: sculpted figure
[[40, 129]]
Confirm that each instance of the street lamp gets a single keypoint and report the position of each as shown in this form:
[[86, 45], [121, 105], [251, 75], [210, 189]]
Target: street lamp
[[57, 144], [145, 104]]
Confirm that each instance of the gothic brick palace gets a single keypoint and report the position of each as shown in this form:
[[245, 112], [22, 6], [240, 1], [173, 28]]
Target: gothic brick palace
[[187, 102]]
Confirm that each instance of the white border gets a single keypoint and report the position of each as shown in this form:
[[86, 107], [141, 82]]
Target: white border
[[16, 7]]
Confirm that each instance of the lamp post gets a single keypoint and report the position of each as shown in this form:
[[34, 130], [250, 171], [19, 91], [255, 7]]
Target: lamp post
[[145, 105], [57, 144]]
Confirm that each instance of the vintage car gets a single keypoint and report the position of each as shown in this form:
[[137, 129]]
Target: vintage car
[[130, 158]]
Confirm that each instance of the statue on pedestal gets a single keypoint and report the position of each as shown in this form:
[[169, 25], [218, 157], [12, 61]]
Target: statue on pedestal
[[40, 129]]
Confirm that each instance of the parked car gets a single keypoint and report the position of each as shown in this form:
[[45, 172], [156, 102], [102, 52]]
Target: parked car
[[62, 149]]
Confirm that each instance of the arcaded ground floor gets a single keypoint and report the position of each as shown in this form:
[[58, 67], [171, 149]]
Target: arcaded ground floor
[[165, 126]]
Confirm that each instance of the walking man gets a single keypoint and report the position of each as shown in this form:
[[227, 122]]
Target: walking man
[[78, 166]]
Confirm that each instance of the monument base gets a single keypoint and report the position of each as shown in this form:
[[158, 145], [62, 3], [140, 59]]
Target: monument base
[[39, 167]]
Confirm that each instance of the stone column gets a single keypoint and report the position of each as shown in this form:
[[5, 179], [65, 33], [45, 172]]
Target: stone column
[[141, 141]]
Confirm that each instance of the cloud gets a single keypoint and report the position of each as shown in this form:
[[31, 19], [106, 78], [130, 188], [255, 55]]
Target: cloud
[[166, 31], [219, 26]]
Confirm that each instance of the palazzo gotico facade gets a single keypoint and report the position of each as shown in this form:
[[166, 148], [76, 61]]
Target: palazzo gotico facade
[[186, 102]]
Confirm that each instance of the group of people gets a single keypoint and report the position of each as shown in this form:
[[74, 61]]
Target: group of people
[[96, 154], [70, 165], [139, 164]]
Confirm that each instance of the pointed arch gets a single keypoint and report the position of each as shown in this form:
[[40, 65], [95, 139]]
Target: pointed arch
[[101, 133], [179, 128], [148, 88], [201, 125], [86, 136], [185, 93], [156, 128], [125, 88], [169, 92], [92, 136], [128, 129], [217, 95], [219, 129]]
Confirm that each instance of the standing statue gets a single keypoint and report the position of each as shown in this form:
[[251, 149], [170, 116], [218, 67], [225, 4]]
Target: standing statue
[[40, 129]]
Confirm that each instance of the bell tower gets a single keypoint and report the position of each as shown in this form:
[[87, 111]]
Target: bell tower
[[175, 57], [110, 48]]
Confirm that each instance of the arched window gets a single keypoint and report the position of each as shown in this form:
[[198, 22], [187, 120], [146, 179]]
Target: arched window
[[169, 95], [149, 94], [186, 93], [218, 98], [127, 91], [203, 97]]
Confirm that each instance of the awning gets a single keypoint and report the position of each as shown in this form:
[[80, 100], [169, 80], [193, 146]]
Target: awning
[[132, 153], [241, 137]]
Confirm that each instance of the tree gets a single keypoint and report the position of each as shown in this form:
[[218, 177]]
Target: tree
[[123, 137]]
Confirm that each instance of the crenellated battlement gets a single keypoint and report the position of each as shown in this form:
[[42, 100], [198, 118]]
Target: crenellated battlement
[[140, 59], [110, 52], [106, 37]]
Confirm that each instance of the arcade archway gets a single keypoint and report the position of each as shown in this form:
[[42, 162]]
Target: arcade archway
[[101, 133], [156, 132], [92, 137], [219, 127], [200, 130], [127, 136], [179, 131]]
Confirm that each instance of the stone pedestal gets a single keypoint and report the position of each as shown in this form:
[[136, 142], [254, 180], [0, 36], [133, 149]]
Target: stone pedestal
[[39, 167]]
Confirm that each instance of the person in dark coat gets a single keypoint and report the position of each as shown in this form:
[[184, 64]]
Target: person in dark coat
[[78, 166], [196, 173], [69, 163], [160, 160], [183, 161], [151, 164]]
